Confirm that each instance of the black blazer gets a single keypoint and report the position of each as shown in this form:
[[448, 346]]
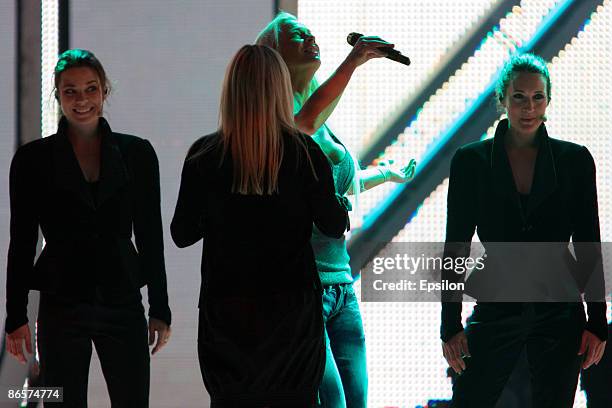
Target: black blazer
[[88, 241], [562, 204], [256, 244]]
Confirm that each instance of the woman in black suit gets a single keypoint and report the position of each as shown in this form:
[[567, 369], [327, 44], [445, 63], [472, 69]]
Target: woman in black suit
[[252, 191], [87, 188], [523, 186]]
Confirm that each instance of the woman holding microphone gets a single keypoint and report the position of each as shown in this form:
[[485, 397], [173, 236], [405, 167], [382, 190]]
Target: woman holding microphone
[[345, 379]]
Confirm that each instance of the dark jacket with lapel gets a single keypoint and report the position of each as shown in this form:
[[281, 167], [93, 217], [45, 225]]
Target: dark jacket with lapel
[[88, 245], [562, 204]]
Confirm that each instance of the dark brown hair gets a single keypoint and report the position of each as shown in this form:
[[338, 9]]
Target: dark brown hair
[[80, 58]]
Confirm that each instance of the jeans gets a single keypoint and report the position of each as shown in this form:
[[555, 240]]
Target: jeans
[[345, 380]]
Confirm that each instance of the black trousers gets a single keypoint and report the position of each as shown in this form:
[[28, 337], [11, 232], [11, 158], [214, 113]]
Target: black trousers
[[118, 329], [550, 334]]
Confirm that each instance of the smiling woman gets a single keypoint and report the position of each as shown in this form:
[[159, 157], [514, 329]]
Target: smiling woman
[[76, 83], [81, 92], [81, 95], [87, 188]]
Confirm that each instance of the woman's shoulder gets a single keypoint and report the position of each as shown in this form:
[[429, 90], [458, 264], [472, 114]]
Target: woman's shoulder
[[204, 146], [204, 142], [474, 153], [125, 140], [478, 147], [566, 147], [137, 150], [571, 154], [35, 150]]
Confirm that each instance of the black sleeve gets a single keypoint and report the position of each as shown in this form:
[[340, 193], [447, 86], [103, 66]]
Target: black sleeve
[[460, 226], [149, 233], [23, 240], [587, 245], [186, 227], [329, 210]]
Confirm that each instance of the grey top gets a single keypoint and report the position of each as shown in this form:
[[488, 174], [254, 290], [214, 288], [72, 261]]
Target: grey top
[[331, 256]]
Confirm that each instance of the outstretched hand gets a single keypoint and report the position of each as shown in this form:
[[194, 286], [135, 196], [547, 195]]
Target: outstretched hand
[[398, 174]]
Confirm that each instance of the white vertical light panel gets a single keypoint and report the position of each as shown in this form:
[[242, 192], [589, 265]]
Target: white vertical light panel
[[49, 54]]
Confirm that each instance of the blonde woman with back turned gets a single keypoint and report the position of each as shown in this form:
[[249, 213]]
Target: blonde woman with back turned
[[252, 191]]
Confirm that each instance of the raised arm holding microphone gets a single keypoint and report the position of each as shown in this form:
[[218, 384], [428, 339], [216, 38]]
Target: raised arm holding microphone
[[345, 379]]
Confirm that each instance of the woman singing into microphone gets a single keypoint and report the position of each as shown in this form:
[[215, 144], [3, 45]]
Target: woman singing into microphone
[[345, 379]]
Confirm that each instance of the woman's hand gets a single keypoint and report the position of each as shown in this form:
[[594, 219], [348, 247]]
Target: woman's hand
[[323, 101], [15, 340], [366, 48], [163, 333], [593, 347], [383, 172], [454, 350], [397, 174]]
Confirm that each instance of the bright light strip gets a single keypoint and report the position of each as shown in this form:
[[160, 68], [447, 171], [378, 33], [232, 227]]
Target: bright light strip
[[49, 53]]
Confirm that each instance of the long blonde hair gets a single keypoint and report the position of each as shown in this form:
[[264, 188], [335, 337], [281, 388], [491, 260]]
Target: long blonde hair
[[256, 108]]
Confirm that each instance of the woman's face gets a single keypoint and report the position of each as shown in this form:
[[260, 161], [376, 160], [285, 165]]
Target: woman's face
[[297, 46], [81, 96], [526, 102]]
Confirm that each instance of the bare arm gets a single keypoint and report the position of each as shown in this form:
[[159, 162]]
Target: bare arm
[[323, 101]]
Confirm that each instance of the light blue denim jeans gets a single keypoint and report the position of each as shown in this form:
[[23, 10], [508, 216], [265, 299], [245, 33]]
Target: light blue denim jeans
[[345, 380]]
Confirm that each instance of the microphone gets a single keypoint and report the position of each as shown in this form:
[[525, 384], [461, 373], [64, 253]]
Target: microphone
[[392, 54]]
